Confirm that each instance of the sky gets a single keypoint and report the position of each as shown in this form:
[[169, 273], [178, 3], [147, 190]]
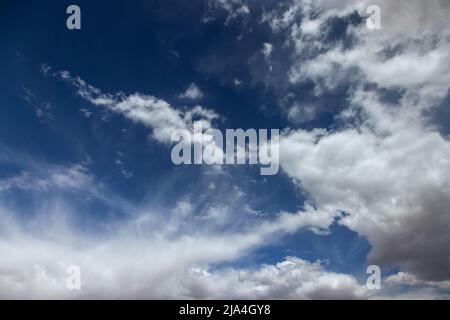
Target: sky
[[87, 179]]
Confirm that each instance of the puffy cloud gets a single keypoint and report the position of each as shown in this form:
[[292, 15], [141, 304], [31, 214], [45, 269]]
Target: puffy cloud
[[148, 110], [384, 164], [267, 50], [292, 278], [299, 113], [398, 18], [193, 92], [325, 44], [391, 174], [416, 63], [411, 50]]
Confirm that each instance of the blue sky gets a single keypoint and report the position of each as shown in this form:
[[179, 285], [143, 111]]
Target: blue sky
[[363, 149]]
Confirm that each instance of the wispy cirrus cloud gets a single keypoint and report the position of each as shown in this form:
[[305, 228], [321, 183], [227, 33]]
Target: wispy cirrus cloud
[[56, 177], [149, 257]]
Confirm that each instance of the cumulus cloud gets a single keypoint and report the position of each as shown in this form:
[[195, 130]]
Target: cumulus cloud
[[394, 186], [148, 110], [386, 165], [410, 50], [192, 92], [292, 278], [267, 50]]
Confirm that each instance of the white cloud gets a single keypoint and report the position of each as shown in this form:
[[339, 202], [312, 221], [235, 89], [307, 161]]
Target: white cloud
[[292, 278], [419, 57], [234, 9], [140, 259], [387, 166], [300, 113], [60, 177], [152, 268], [391, 174], [403, 278], [267, 50], [417, 289], [149, 253], [280, 20], [148, 110], [192, 92]]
